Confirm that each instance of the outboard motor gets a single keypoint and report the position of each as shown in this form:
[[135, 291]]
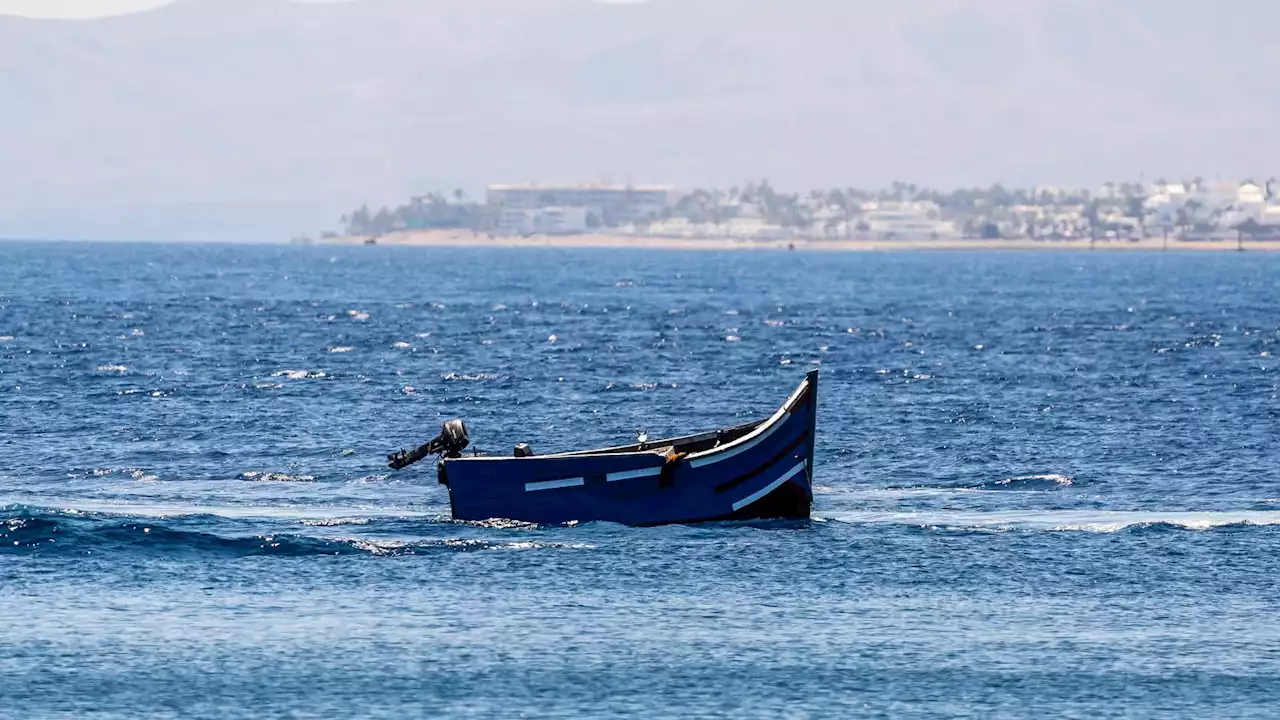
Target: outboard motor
[[450, 443]]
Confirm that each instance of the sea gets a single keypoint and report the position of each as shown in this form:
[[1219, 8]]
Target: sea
[[1046, 484]]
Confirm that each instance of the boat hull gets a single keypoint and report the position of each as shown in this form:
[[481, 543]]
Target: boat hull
[[759, 471]]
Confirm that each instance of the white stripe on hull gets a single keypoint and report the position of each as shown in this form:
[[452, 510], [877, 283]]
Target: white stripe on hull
[[633, 474], [554, 484], [770, 487]]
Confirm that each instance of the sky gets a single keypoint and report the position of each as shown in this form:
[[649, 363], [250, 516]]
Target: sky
[[72, 9], [76, 8], [280, 116]]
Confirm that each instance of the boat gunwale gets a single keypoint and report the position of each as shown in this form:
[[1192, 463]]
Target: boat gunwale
[[745, 442], [657, 447], [653, 448]]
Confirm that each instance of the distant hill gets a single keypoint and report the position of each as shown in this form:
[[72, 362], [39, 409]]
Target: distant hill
[[243, 119]]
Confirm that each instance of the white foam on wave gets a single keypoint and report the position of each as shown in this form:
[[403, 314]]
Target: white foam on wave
[[130, 472], [335, 521], [1054, 478], [462, 377], [119, 369], [262, 476], [341, 349], [1047, 482], [291, 513], [299, 374], [401, 547], [1101, 521]]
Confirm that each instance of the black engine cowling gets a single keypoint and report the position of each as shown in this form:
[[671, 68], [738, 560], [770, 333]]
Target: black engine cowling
[[453, 438]]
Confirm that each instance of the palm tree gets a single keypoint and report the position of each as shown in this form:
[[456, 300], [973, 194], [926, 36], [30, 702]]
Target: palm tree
[[1135, 208], [1091, 215], [1192, 207], [360, 221], [1248, 227]]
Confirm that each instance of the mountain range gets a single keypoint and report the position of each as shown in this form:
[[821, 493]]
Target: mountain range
[[258, 119]]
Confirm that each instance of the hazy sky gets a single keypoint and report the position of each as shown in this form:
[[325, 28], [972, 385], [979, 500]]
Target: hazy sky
[[101, 8], [204, 122], [86, 8], [76, 8]]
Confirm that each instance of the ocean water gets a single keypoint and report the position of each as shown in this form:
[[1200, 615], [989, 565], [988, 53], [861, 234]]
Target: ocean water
[[1047, 484]]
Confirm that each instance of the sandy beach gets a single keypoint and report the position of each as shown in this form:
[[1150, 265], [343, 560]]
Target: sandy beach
[[449, 238]]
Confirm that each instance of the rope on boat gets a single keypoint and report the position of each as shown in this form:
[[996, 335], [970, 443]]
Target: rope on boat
[[669, 468]]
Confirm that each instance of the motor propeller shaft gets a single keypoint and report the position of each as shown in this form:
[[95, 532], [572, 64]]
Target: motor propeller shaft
[[451, 441]]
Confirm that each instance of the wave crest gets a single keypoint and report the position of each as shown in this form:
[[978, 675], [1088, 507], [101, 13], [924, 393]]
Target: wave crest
[[263, 476], [28, 530], [1068, 521], [1048, 481]]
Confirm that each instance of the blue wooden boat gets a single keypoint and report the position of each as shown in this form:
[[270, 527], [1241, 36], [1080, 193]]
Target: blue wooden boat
[[760, 470]]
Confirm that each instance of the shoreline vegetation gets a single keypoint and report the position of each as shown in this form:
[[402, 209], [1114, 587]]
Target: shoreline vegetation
[[1192, 215], [467, 238]]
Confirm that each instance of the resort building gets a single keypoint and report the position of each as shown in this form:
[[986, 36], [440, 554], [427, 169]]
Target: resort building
[[544, 221], [606, 204], [890, 220]]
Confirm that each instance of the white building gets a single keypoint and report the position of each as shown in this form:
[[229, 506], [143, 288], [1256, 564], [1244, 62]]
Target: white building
[[1251, 193], [755, 228], [517, 221], [921, 219], [546, 220], [610, 203], [562, 220]]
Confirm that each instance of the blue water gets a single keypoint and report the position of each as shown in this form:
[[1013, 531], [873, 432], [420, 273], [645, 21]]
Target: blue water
[[1047, 484]]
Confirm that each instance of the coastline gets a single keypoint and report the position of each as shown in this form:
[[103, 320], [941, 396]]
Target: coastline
[[466, 238]]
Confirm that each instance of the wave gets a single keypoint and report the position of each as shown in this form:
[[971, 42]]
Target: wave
[[113, 473], [299, 374], [462, 377], [1047, 482], [31, 530], [1095, 521], [336, 521], [263, 476]]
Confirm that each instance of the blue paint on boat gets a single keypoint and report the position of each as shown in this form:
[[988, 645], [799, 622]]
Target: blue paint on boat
[[761, 470]]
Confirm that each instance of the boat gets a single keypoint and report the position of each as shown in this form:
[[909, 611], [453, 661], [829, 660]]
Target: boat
[[759, 470]]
